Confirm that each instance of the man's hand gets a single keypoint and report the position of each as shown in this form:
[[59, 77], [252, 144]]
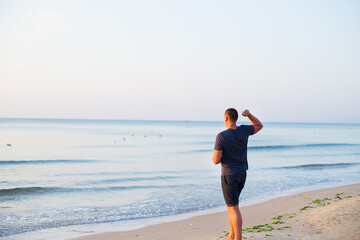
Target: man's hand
[[255, 122], [217, 156], [245, 113]]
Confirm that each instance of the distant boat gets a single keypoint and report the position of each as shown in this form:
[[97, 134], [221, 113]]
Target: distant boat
[[8, 144]]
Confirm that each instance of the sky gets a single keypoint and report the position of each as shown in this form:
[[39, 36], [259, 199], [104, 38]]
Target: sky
[[285, 61]]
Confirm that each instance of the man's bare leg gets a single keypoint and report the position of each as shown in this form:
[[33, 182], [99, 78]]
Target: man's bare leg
[[235, 221], [231, 235]]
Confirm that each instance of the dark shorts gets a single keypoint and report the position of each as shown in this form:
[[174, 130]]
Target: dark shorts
[[232, 186]]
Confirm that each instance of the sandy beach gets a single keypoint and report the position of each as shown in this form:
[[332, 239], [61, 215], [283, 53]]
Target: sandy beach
[[324, 214]]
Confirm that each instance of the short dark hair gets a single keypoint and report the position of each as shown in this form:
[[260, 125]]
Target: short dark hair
[[232, 114]]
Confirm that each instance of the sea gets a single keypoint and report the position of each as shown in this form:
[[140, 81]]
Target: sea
[[64, 178]]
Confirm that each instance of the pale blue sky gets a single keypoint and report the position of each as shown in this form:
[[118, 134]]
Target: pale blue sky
[[180, 60]]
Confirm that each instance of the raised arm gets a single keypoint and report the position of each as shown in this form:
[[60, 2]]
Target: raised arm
[[255, 122]]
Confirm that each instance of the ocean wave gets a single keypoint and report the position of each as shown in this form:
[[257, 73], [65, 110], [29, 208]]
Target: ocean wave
[[16, 162], [196, 151], [134, 179], [314, 145], [281, 147], [318, 155], [319, 166], [26, 191], [46, 190], [109, 146]]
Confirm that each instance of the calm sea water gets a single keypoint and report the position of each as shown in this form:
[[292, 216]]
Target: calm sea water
[[59, 173]]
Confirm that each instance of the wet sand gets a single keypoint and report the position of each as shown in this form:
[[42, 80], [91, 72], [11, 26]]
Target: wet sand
[[323, 214]]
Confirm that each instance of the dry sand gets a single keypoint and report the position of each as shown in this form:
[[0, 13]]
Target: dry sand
[[335, 215]]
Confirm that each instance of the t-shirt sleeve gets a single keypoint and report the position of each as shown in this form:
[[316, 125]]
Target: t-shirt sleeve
[[249, 129], [219, 143]]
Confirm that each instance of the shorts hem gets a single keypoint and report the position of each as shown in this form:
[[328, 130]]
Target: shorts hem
[[231, 205]]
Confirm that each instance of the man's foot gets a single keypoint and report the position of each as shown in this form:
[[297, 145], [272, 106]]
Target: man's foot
[[229, 237]]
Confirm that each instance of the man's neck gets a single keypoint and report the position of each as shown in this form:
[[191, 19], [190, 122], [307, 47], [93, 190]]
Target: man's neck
[[232, 126]]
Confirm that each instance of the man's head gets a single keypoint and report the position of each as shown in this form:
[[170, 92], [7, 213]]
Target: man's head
[[230, 116]]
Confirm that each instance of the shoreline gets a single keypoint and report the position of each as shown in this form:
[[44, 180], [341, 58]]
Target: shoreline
[[213, 223]]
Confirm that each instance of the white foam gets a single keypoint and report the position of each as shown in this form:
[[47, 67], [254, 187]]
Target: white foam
[[89, 229]]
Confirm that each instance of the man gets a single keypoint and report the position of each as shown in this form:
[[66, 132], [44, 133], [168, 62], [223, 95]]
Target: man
[[231, 151]]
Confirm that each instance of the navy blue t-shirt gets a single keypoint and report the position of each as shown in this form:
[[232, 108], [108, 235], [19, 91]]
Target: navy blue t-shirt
[[233, 143]]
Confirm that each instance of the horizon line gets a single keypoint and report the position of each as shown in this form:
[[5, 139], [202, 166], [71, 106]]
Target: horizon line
[[162, 120]]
